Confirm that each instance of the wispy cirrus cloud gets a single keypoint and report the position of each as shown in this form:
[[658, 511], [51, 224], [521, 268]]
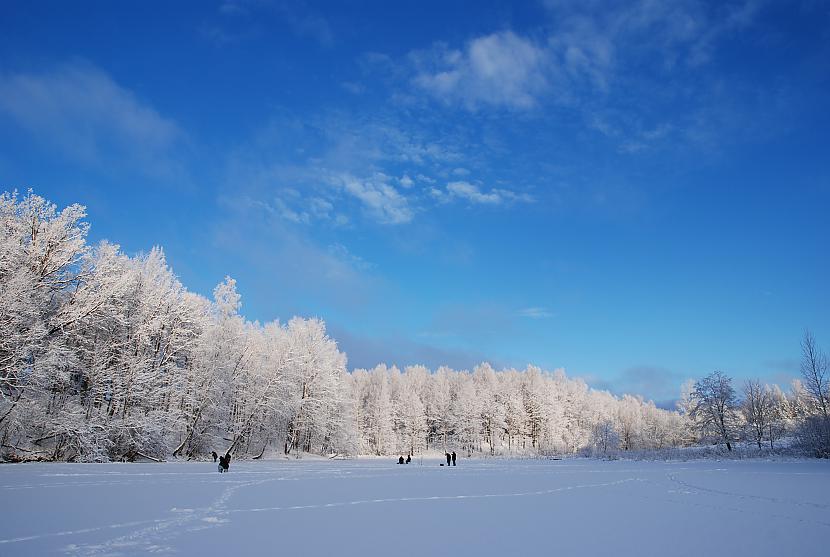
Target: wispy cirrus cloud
[[292, 206], [343, 253], [88, 117], [473, 194], [596, 36], [246, 19], [306, 23], [535, 313]]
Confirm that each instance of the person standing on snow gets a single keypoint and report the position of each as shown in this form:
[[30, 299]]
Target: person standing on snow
[[224, 462], [453, 458], [448, 458]]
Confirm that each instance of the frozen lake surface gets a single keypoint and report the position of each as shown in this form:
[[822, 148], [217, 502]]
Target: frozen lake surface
[[376, 507]]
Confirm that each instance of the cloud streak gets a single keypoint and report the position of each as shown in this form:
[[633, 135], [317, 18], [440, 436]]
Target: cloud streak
[[82, 112], [535, 313], [473, 194]]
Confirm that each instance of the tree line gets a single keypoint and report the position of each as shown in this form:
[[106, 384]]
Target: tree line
[[104, 356], [764, 414]]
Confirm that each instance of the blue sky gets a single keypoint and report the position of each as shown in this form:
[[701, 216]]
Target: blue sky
[[635, 191]]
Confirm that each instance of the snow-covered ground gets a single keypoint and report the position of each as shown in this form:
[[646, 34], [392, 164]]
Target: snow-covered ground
[[377, 507]]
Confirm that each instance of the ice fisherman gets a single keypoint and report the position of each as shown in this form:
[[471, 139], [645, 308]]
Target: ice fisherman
[[224, 462], [453, 458]]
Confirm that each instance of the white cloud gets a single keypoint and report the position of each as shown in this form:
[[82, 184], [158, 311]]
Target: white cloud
[[377, 170], [622, 60], [515, 196], [280, 207], [535, 313], [343, 253], [585, 52], [439, 195], [341, 220], [345, 169], [296, 264], [81, 111], [353, 87], [379, 198], [307, 24], [473, 194], [320, 208], [501, 69], [233, 8], [470, 192], [592, 35], [290, 205], [406, 181]]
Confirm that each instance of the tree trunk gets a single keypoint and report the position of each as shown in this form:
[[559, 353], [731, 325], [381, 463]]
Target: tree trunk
[[262, 452]]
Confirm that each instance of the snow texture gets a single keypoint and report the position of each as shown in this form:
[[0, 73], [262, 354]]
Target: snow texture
[[376, 507]]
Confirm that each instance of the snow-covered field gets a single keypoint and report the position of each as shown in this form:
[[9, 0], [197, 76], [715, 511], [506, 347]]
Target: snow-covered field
[[376, 507]]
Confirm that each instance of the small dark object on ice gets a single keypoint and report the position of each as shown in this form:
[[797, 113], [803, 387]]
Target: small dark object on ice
[[400, 460], [224, 462], [214, 455], [408, 458]]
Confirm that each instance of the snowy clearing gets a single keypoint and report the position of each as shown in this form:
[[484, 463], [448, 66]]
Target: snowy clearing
[[376, 507]]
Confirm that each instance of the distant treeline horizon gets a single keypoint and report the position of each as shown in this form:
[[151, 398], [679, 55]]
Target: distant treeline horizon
[[106, 357]]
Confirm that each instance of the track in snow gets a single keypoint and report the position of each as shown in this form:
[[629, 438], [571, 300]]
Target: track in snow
[[376, 507]]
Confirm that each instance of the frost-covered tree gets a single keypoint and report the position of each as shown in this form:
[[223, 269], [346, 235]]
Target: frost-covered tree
[[105, 356], [714, 408], [217, 359], [629, 417], [761, 411], [377, 425], [42, 251], [814, 429], [491, 417], [410, 412], [316, 379]]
